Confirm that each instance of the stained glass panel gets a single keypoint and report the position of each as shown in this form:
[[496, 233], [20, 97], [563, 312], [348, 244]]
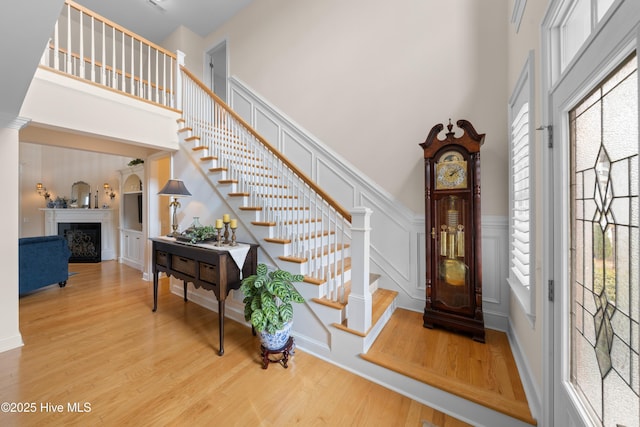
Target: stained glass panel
[[605, 260]]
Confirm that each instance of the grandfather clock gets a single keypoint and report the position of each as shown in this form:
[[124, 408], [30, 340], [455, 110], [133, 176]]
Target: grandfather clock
[[452, 223]]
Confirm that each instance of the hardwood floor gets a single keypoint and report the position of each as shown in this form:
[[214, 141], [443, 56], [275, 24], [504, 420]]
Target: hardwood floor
[[482, 373], [95, 345]]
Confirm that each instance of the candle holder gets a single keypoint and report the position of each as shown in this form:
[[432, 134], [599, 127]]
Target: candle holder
[[233, 237], [219, 242], [226, 233]]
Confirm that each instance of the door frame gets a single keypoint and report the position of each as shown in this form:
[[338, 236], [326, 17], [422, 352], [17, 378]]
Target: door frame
[[615, 37], [218, 50]]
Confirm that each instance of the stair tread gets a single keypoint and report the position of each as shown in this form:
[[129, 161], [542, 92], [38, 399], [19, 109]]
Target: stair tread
[[380, 301], [347, 290], [341, 267]]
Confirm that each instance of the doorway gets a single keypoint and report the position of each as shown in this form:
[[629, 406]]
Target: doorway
[[216, 69]]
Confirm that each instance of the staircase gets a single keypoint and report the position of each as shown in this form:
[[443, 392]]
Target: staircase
[[299, 227]]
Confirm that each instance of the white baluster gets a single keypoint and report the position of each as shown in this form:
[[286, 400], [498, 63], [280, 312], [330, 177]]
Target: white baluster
[[103, 74], [56, 48], [69, 64]]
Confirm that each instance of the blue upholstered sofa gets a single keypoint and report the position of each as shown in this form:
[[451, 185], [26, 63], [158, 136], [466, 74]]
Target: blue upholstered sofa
[[43, 261]]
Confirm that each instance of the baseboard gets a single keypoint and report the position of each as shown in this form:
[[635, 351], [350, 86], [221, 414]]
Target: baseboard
[[534, 397], [495, 320], [10, 343]]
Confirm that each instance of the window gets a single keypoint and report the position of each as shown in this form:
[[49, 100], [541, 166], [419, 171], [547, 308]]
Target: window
[[605, 234], [521, 203], [578, 20]]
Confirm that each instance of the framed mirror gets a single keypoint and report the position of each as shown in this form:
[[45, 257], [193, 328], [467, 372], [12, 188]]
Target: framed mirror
[[80, 195]]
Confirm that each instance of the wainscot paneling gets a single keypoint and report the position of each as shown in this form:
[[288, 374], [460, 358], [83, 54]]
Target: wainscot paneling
[[397, 235]]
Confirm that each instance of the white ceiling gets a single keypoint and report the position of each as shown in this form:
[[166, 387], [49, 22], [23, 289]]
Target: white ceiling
[[156, 19]]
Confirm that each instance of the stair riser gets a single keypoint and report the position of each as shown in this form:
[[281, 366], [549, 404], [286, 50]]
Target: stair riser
[[329, 314]]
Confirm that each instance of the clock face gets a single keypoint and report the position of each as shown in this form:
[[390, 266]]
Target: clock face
[[451, 171]]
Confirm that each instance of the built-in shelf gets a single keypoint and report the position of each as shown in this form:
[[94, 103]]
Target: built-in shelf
[[131, 217]]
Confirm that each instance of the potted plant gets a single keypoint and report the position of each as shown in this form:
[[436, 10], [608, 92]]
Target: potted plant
[[268, 304]]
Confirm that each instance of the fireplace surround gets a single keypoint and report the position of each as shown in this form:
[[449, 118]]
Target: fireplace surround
[[103, 217]]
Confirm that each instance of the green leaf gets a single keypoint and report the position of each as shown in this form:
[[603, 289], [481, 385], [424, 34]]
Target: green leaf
[[286, 312], [281, 290], [260, 280], [296, 296], [247, 311], [261, 270], [271, 285], [256, 303], [258, 320]]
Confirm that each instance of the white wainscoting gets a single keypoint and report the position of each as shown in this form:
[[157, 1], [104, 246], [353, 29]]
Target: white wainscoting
[[397, 236]]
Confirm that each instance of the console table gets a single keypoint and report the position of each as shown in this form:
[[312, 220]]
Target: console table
[[205, 266]]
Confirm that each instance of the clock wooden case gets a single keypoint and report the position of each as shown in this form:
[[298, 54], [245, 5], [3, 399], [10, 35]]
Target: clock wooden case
[[452, 222]]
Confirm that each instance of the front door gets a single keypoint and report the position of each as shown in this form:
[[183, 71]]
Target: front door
[[597, 252]]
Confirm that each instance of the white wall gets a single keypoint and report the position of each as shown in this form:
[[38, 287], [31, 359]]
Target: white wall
[[9, 333], [56, 103], [370, 79]]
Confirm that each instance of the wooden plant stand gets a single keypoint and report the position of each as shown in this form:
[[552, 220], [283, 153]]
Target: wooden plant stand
[[286, 350]]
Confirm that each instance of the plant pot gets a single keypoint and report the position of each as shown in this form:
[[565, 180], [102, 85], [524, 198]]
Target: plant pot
[[278, 340]]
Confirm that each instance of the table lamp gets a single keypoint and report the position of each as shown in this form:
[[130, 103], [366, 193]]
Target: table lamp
[[174, 188]]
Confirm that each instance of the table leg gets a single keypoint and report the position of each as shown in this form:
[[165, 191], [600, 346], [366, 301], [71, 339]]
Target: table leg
[[221, 325], [155, 291], [185, 290]]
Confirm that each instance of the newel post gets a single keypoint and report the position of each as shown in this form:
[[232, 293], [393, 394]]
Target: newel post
[[179, 63], [359, 307]]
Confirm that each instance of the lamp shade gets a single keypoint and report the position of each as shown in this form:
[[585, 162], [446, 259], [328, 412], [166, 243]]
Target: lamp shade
[[174, 187]]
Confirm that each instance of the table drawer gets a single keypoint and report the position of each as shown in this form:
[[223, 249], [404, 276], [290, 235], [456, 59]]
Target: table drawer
[[183, 265], [209, 273], [161, 258]]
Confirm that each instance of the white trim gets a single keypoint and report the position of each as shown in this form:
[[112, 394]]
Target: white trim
[[610, 41], [529, 383], [523, 93], [518, 13], [12, 342]]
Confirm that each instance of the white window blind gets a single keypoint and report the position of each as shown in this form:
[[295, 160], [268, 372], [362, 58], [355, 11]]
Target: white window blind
[[520, 215], [521, 192]]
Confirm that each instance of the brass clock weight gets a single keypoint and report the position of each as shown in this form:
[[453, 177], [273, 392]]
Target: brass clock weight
[[452, 220]]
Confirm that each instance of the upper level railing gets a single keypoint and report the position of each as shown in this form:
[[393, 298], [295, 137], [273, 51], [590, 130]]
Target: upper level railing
[[89, 46]]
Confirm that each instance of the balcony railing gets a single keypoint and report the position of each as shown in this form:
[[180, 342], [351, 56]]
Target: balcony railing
[[90, 47]]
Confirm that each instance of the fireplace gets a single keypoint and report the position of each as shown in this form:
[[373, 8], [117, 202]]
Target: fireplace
[[105, 217], [83, 239]]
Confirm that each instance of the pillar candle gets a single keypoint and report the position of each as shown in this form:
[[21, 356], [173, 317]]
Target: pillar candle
[[218, 223], [234, 223], [225, 218]]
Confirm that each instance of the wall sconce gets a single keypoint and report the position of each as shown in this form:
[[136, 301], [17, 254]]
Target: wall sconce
[[42, 191], [175, 188], [109, 191]]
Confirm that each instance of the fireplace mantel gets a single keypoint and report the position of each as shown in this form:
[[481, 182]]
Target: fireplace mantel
[[104, 216]]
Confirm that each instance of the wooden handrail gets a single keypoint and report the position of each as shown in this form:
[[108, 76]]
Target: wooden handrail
[[342, 211], [118, 27]]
